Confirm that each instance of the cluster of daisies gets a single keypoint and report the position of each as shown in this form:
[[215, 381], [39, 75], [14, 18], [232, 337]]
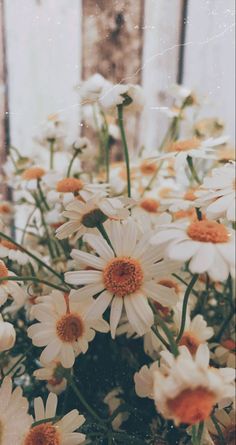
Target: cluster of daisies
[[137, 253]]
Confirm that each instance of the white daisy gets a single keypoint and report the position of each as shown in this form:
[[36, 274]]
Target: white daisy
[[208, 245], [52, 372], [126, 277], [64, 327], [61, 432], [144, 380], [7, 335], [12, 252], [190, 388], [14, 420], [218, 195], [86, 214], [10, 288]]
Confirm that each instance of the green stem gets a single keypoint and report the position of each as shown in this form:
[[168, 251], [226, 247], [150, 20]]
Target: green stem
[[219, 431], [26, 225], [48, 419], [159, 336], [103, 232], [35, 280], [43, 199], [71, 163], [83, 401], [185, 306], [192, 169], [52, 141], [148, 187], [2, 235], [172, 343], [125, 147]]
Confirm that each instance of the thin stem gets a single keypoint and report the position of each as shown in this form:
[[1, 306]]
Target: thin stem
[[192, 169], [185, 306], [35, 280], [71, 163], [52, 141], [42, 263], [107, 146], [104, 233], [43, 199], [83, 401], [184, 282], [48, 419], [26, 225], [218, 429], [125, 147], [169, 335], [159, 336], [152, 179]]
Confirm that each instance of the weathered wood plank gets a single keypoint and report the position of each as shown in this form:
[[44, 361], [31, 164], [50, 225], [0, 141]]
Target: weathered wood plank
[[210, 57], [159, 66], [43, 54]]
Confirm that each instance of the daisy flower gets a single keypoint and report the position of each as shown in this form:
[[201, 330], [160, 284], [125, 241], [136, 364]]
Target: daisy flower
[[124, 278], [14, 420], [196, 330], [64, 327], [10, 288], [12, 252], [144, 380], [86, 214], [61, 432], [114, 95], [188, 391], [31, 176], [218, 195], [53, 129], [7, 335], [208, 245], [52, 372]]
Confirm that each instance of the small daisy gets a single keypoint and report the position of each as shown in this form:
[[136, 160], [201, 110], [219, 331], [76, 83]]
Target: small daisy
[[52, 372], [144, 380], [86, 214], [190, 388], [208, 245], [64, 327], [14, 420], [61, 432], [218, 195], [7, 335], [31, 176], [127, 278], [12, 252], [196, 330], [53, 129], [10, 288], [130, 95]]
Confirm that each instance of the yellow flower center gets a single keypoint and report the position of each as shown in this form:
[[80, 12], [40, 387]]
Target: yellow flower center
[[192, 405], [44, 434], [150, 205], [69, 185], [33, 173], [69, 328], [123, 276], [208, 232], [3, 271], [148, 167], [190, 341], [184, 145]]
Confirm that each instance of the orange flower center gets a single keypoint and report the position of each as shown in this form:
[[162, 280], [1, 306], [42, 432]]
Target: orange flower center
[[192, 405], [148, 167], [69, 185], [5, 208], [190, 195], [183, 145], [190, 213], [3, 271], [123, 276], [33, 173], [69, 328], [8, 244], [190, 341], [150, 205], [44, 434], [208, 232]]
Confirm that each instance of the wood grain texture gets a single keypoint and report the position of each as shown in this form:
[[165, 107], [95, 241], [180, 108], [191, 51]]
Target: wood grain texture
[[210, 57], [159, 65], [43, 56]]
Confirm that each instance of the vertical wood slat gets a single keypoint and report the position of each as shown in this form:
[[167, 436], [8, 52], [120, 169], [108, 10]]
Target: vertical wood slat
[[162, 25], [43, 56], [209, 66], [3, 107], [112, 45]]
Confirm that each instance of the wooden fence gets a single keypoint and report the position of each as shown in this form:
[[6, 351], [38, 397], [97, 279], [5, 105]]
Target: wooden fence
[[48, 46]]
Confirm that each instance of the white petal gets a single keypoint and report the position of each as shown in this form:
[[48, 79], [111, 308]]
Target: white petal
[[67, 355], [116, 309], [39, 409], [203, 258], [100, 246], [183, 250], [99, 306], [83, 277], [51, 406], [88, 259]]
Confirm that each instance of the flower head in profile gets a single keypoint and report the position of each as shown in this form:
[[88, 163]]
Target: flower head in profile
[[7, 335], [130, 96], [53, 373], [10, 289], [64, 327], [61, 432], [125, 277], [14, 419], [217, 196], [208, 245], [188, 391]]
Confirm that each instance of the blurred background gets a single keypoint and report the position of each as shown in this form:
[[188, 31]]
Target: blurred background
[[47, 47]]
